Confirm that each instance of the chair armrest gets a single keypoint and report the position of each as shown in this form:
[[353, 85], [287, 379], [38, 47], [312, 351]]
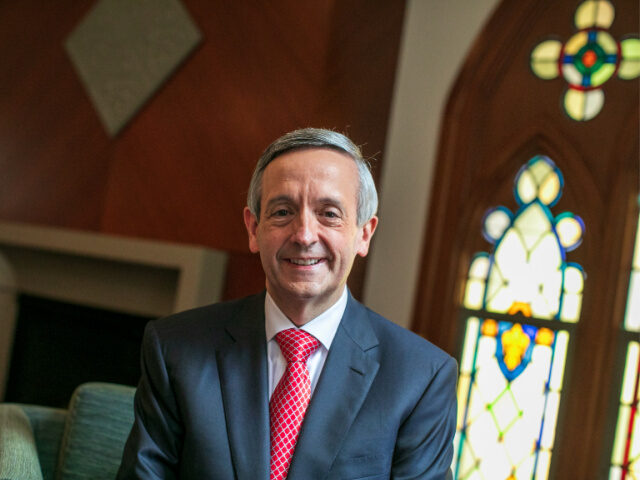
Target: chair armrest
[[18, 452], [99, 419], [47, 425]]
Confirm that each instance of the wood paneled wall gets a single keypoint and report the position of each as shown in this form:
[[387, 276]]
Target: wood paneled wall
[[179, 171]]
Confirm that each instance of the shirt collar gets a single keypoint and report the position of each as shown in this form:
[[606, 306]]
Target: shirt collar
[[323, 327]]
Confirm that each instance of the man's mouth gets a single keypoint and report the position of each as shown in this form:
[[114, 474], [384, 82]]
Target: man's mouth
[[304, 261]]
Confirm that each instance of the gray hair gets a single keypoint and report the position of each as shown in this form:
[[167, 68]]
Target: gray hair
[[308, 138]]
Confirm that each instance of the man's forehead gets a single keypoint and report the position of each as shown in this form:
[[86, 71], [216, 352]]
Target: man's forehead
[[311, 169], [323, 176], [315, 155]]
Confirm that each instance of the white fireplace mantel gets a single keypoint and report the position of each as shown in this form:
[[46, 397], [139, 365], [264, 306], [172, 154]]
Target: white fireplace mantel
[[143, 277]]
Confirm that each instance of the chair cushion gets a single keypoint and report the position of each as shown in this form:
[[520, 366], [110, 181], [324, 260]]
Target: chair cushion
[[99, 419], [18, 453], [47, 425]]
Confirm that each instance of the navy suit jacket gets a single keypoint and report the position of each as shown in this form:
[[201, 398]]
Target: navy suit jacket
[[384, 405]]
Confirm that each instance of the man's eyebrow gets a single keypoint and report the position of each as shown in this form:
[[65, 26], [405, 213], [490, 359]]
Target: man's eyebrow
[[288, 199], [332, 201], [279, 199]]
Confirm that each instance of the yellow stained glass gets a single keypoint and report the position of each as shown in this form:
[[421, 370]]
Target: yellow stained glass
[[632, 317], [531, 223], [549, 189], [569, 231], [474, 294], [573, 280], [581, 105], [571, 307], [480, 267], [625, 456], [527, 187], [474, 290], [575, 43], [540, 170], [471, 337], [607, 42], [630, 63], [557, 372], [538, 180], [496, 223], [544, 59], [598, 13], [632, 320]]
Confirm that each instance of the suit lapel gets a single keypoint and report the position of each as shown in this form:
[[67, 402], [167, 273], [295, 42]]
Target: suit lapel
[[244, 383], [341, 390]]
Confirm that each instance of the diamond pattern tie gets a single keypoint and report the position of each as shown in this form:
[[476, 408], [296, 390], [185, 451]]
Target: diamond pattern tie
[[290, 398]]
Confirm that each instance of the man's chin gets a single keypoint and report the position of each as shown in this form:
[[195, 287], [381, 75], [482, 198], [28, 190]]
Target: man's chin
[[305, 291]]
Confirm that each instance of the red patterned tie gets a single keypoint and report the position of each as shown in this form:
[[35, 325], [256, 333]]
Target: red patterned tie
[[290, 398]]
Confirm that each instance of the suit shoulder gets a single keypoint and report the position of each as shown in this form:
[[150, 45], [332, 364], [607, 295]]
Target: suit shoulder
[[215, 316], [403, 343]]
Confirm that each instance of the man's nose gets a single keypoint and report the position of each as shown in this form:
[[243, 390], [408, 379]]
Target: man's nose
[[305, 228]]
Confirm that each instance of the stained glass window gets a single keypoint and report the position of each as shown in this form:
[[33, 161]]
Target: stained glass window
[[521, 302], [625, 459], [588, 59]]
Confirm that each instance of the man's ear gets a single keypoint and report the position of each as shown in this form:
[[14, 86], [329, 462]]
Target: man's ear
[[366, 233], [251, 222]]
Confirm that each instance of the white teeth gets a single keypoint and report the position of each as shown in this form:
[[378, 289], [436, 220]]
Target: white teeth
[[303, 261]]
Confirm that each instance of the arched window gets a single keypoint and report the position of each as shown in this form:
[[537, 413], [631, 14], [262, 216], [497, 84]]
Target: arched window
[[539, 154], [520, 302]]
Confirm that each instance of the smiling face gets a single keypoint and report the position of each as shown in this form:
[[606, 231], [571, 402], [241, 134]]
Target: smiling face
[[308, 235]]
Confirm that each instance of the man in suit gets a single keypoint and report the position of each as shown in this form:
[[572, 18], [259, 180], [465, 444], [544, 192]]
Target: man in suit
[[221, 395]]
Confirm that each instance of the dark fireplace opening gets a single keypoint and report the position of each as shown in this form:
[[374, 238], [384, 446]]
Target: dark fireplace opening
[[58, 346]]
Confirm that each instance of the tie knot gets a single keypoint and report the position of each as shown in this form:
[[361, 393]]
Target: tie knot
[[296, 345]]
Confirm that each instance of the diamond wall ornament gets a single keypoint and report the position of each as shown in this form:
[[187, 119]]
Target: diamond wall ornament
[[124, 51], [588, 59]]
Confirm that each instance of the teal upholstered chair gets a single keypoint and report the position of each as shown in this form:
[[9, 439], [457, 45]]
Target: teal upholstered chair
[[83, 442]]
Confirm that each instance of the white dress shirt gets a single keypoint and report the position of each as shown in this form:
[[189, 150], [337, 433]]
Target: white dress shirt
[[323, 327]]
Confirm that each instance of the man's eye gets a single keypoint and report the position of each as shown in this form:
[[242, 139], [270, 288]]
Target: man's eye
[[331, 214], [283, 212]]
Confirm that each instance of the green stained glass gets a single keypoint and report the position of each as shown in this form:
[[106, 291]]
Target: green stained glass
[[630, 64], [603, 74], [511, 372]]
